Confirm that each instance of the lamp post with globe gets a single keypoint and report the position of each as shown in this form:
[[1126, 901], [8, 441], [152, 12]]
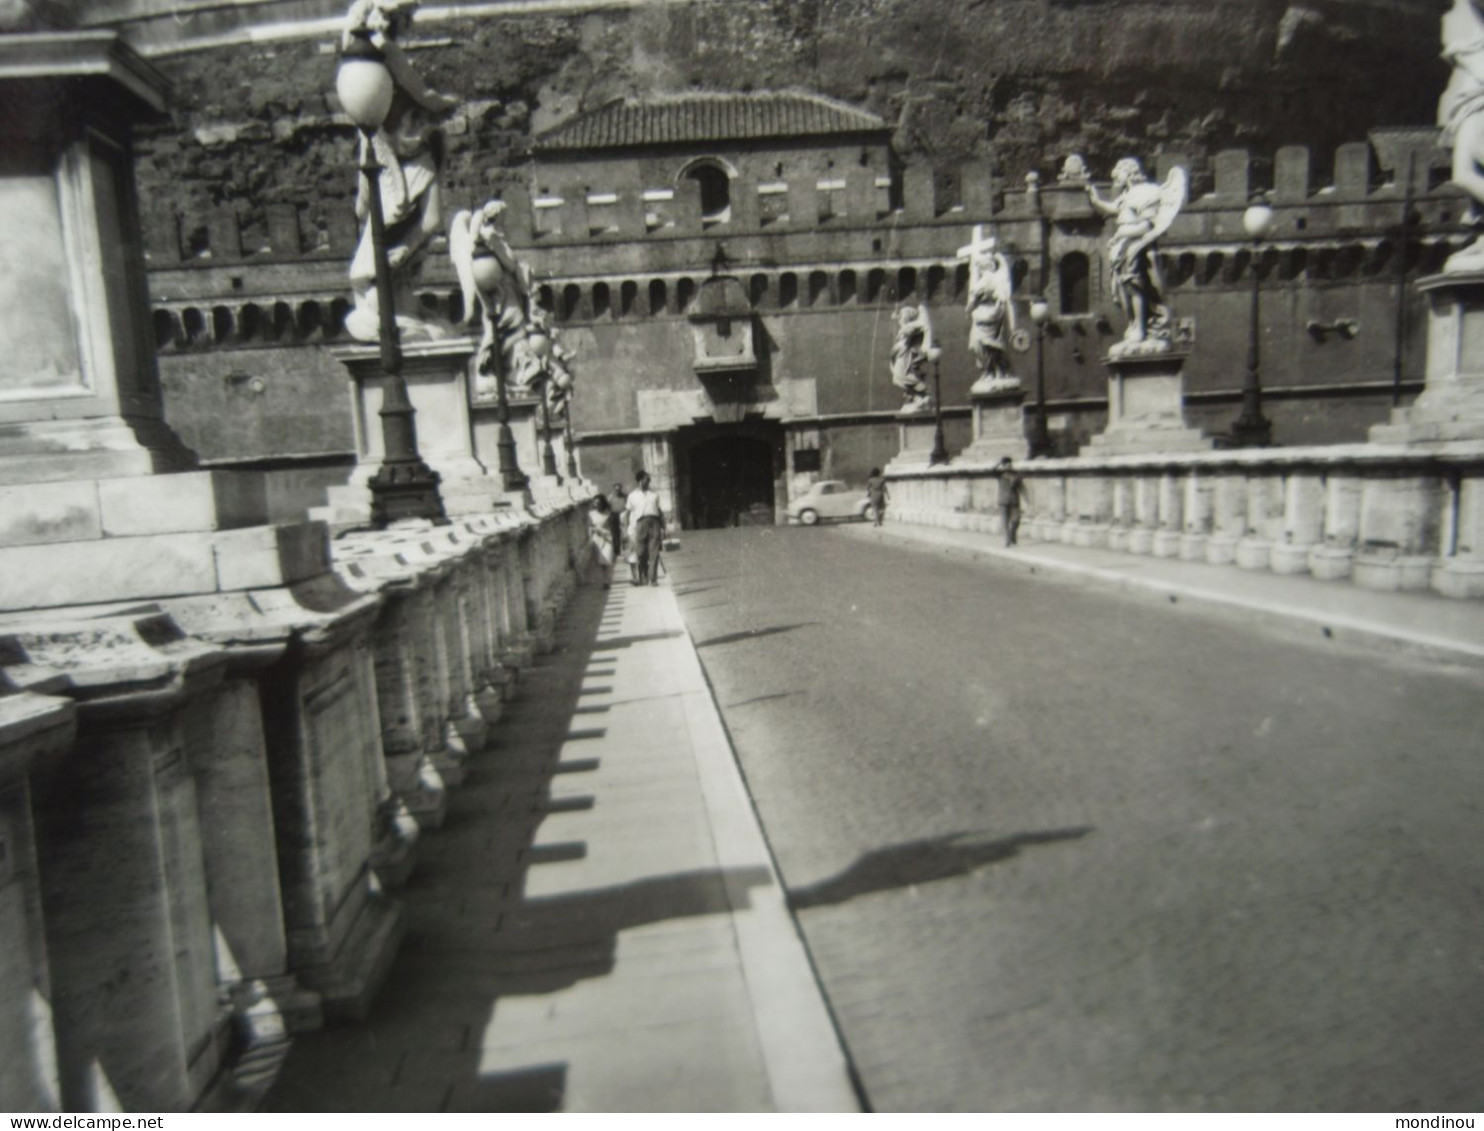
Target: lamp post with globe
[[488, 274], [404, 486], [1251, 429]]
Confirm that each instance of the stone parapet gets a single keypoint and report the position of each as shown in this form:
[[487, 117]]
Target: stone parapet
[[1383, 516]]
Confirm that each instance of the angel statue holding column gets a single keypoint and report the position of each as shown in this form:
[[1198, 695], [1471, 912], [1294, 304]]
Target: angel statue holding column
[[909, 357], [408, 147], [1144, 213], [991, 313]]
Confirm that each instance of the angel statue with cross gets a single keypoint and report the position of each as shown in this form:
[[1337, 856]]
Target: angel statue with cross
[[991, 312], [1144, 212]]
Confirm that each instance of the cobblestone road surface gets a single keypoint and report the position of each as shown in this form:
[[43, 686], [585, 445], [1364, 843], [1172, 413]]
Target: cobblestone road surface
[[1055, 848]]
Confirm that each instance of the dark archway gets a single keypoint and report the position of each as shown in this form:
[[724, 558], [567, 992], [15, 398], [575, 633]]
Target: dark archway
[[730, 479]]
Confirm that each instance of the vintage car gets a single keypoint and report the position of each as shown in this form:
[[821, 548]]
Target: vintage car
[[829, 498]]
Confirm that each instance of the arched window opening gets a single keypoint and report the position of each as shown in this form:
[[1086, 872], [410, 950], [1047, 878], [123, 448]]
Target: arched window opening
[[961, 280], [716, 191], [283, 320], [819, 288], [875, 284], [571, 299], [545, 299], [164, 329], [195, 324], [628, 296], [847, 286], [757, 289], [658, 296], [309, 319], [221, 323], [685, 293], [936, 277], [788, 289], [907, 282], [1072, 281], [602, 301]]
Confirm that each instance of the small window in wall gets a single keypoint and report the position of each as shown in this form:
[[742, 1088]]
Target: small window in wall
[[716, 191], [1073, 279], [806, 459]]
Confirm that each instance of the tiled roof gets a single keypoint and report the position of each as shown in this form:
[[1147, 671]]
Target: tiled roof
[[708, 117]]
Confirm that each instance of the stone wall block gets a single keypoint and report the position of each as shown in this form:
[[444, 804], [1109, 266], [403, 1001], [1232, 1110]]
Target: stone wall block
[[1234, 176], [919, 192], [1293, 170], [266, 557], [284, 238]]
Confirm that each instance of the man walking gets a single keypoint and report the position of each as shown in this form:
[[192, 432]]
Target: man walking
[[646, 529], [877, 494], [1012, 491]]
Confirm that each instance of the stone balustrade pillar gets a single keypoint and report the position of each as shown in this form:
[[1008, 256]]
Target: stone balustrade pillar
[[1401, 522], [1198, 506], [1461, 572], [35, 731], [124, 900], [1092, 517], [1228, 516], [1171, 512], [1303, 523], [1123, 514], [1146, 514], [1333, 558], [1264, 519]]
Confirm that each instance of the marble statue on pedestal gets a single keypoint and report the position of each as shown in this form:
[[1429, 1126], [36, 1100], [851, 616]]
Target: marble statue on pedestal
[[1461, 113], [909, 358], [991, 313], [497, 288], [409, 149], [1144, 213]]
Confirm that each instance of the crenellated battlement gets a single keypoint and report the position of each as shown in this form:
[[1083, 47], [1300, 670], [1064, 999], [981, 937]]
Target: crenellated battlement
[[1369, 179]]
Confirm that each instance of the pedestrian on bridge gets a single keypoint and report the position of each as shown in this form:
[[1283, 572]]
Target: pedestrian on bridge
[[877, 493], [1011, 494], [646, 529]]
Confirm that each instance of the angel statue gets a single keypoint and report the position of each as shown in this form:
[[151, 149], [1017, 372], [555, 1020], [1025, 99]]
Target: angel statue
[[1144, 213], [909, 357], [496, 286], [409, 149], [991, 313], [1461, 113]]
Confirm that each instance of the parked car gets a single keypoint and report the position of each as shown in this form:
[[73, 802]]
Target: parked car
[[829, 498]]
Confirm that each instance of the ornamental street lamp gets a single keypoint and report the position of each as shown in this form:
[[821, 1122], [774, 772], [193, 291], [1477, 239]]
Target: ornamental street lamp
[[548, 455], [1040, 445], [571, 455], [404, 486], [1251, 429], [939, 454], [488, 274]]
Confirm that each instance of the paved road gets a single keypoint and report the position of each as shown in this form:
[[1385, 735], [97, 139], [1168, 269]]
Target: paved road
[[1055, 848]]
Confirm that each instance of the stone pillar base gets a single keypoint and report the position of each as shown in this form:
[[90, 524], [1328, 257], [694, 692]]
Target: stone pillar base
[[1451, 407], [999, 427], [1459, 578], [348, 984], [1392, 572], [1146, 406], [915, 441]]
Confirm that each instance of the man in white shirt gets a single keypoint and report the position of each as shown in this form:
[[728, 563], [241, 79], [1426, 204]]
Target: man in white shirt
[[646, 529]]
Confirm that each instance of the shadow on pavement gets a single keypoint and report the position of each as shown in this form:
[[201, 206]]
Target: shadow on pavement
[[922, 862], [754, 633], [474, 937]]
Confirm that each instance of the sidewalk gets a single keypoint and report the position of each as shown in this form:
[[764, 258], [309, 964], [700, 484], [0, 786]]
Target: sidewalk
[[598, 926], [1421, 624]]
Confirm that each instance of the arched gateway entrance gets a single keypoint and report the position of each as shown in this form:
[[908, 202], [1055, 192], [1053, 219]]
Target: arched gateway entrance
[[729, 474]]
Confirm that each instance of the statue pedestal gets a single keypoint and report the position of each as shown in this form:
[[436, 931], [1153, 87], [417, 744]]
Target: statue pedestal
[[1146, 406], [1451, 407], [437, 377], [525, 415], [915, 439], [999, 426], [79, 391]]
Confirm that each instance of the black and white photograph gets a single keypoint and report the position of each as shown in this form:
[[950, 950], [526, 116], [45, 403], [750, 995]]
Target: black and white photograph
[[742, 556]]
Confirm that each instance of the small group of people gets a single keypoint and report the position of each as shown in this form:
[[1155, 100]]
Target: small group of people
[[631, 525]]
